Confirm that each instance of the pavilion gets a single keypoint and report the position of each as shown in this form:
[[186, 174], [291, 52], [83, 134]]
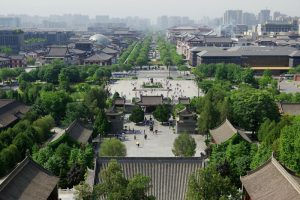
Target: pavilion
[[29, 181], [226, 131], [271, 181]]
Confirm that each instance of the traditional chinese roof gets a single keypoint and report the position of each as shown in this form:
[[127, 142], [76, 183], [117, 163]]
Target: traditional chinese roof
[[58, 51], [272, 181], [119, 101], [108, 50], [289, 108], [99, 57], [78, 132], [169, 176], [11, 111], [151, 100], [184, 100], [223, 132], [28, 181], [186, 113]]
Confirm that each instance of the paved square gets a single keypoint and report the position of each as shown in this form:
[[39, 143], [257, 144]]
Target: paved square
[[156, 145], [289, 86], [178, 88]]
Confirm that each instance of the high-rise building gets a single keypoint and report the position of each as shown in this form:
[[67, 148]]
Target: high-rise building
[[249, 19], [162, 22], [264, 16], [233, 17], [13, 39], [9, 22], [102, 18]]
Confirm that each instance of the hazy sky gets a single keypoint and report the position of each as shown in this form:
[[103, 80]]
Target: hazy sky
[[145, 8]]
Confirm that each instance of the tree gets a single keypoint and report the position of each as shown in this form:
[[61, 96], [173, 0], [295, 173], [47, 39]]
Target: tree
[[83, 191], [54, 103], [250, 107], [114, 186], [95, 99], [101, 125], [184, 145], [112, 147], [137, 115], [75, 110], [162, 113], [208, 184], [289, 146], [6, 50]]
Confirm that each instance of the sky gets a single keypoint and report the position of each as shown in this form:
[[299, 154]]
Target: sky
[[195, 9]]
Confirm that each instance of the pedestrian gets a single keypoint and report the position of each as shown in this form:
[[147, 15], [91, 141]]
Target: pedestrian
[[137, 144], [145, 137], [134, 137]]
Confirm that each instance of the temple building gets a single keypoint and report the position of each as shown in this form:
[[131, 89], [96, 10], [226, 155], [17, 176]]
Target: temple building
[[169, 175], [11, 111], [101, 59], [186, 121], [289, 108], [79, 133], [115, 118], [226, 131], [271, 181], [150, 102], [29, 181]]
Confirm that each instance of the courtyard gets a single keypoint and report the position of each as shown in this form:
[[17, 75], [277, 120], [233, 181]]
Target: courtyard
[[156, 145]]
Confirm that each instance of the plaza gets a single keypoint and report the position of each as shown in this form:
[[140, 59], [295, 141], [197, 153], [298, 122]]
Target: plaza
[[134, 88], [156, 145]]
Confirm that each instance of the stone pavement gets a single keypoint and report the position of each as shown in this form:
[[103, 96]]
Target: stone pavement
[[156, 145], [179, 88]]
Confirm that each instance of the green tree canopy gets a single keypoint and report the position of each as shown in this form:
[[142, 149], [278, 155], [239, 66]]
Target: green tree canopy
[[112, 147], [137, 115], [208, 184], [250, 107], [114, 186], [101, 124], [184, 145], [162, 113]]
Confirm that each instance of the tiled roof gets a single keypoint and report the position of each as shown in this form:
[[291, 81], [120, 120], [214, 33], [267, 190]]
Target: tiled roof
[[99, 57], [109, 50], [289, 108], [169, 176], [272, 181], [184, 100], [223, 132], [10, 111], [28, 181], [58, 51], [151, 100], [78, 132]]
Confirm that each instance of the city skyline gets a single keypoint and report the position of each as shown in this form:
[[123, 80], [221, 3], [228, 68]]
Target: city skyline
[[146, 9]]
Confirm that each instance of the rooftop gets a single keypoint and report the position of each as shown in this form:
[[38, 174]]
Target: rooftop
[[271, 181], [78, 132], [28, 181]]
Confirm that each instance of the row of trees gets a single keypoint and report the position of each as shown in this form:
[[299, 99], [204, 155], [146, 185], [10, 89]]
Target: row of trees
[[168, 54], [139, 55]]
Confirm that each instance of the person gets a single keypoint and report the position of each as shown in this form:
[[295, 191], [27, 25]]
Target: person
[[137, 144], [134, 137], [145, 137]]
